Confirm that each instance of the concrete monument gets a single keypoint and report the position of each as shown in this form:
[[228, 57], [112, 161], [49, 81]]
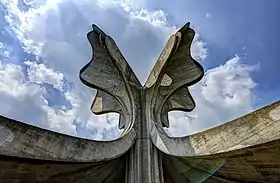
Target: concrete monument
[[243, 150]]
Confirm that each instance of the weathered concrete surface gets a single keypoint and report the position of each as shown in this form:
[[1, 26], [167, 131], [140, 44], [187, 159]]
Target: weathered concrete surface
[[110, 74], [25, 170], [258, 127], [184, 170], [260, 163], [244, 150], [22, 140]]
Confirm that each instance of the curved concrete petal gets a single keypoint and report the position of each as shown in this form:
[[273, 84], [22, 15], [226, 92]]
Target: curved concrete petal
[[163, 59], [120, 62], [168, 82], [110, 74], [104, 103], [181, 100], [176, 62], [22, 140], [182, 69], [26, 170], [260, 126], [259, 163], [189, 169], [101, 72]]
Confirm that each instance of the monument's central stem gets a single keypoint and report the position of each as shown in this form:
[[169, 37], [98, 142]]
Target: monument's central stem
[[144, 164]]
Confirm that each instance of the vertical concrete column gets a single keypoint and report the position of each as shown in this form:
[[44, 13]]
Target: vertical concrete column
[[144, 162]]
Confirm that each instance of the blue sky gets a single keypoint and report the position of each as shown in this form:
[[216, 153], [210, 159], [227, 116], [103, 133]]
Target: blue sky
[[247, 28], [43, 46]]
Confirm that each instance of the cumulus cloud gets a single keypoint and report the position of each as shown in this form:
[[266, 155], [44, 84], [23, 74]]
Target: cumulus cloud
[[198, 49], [224, 93], [54, 31], [39, 74], [20, 97], [12, 80]]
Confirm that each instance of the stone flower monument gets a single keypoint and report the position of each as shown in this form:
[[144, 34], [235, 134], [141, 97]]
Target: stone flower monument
[[243, 150]]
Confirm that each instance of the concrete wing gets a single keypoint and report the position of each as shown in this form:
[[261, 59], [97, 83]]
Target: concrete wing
[[31, 154], [245, 149]]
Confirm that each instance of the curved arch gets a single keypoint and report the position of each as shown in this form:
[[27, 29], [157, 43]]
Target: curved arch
[[23, 140], [260, 126]]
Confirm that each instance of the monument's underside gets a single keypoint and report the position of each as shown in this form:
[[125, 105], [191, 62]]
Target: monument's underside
[[249, 148], [243, 150]]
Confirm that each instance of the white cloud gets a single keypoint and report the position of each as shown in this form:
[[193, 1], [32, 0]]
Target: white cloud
[[198, 49], [39, 74], [4, 51], [127, 5], [224, 93], [18, 92], [19, 97], [12, 80], [29, 2], [55, 31], [48, 31], [156, 18]]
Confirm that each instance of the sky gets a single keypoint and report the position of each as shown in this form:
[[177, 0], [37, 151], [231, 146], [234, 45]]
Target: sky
[[43, 46]]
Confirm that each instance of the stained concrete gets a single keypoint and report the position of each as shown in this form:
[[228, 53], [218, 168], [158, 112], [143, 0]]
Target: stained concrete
[[255, 128], [23, 140], [243, 150], [260, 163], [29, 170], [246, 149]]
